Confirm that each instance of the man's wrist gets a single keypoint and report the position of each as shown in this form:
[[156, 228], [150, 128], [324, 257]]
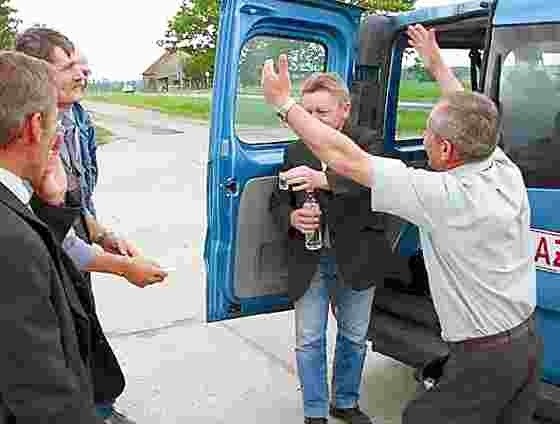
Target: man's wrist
[[436, 66], [125, 263], [284, 107], [100, 237]]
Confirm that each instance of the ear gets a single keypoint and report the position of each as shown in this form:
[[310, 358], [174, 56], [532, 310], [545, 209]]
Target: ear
[[33, 129], [347, 108], [447, 148]]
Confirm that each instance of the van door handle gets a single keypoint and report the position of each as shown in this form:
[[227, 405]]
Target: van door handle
[[230, 186]]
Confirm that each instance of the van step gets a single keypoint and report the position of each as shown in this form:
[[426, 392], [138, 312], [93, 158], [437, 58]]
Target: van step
[[406, 341], [416, 345], [418, 309]]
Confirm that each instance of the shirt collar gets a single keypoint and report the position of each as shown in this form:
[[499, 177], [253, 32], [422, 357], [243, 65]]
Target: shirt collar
[[66, 117], [16, 185], [473, 167]]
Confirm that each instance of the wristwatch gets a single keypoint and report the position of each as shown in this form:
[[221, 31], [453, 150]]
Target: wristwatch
[[282, 111], [100, 238]]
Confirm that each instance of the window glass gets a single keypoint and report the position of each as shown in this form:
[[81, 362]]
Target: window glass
[[255, 121], [529, 93], [418, 91]]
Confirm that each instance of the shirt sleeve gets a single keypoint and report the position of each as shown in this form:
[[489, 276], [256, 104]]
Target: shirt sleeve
[[419, 196], [88, 208], [79, 251]]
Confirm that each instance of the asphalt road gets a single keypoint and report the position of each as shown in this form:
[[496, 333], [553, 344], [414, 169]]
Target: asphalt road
[[180, 369]]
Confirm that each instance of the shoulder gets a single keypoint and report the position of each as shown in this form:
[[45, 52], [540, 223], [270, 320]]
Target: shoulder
[[24, 242], [81, 115]]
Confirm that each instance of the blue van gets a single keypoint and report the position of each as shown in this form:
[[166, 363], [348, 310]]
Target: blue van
[[508, 49]]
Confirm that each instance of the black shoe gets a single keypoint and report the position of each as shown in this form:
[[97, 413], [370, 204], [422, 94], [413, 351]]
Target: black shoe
[[315, 420], [350, 415], [117, 417]]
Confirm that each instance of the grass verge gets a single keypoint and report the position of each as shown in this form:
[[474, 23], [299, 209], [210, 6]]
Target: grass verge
[[251, 110], [192, 107]]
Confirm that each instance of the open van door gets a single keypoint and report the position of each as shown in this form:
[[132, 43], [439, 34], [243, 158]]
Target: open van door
[[245, 254]]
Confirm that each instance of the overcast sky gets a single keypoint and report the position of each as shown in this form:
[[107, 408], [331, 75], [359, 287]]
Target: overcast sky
[[118, 36]]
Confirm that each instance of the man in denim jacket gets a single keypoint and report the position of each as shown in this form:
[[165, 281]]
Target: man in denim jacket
[[89, 154]]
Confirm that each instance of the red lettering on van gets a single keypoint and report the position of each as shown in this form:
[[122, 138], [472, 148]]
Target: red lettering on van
[[547, 250], [542, 251], [557, 254]]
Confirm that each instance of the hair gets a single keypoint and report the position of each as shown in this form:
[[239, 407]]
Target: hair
[[333, 84], [40, 42], [325, 81], [26, 87], [468, 120]]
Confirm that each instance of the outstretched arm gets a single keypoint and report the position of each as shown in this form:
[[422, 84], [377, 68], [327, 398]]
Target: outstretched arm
[[426, 45]]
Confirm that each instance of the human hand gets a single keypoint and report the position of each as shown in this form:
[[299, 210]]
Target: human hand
[[305, 178], [112, 243], [305, 220], [54, 183], [276, 86], [143, 272], [426, 45]]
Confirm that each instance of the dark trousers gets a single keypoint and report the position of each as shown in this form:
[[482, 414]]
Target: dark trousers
[[489, 380]]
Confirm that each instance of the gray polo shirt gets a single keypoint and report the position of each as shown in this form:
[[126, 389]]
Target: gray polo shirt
[[474, 231]]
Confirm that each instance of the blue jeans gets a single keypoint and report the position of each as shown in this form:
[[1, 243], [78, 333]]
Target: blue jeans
[[104, 410], [353, 308]]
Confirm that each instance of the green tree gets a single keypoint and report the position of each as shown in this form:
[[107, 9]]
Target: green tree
[[194, 26], [8, 25], [197, 68]]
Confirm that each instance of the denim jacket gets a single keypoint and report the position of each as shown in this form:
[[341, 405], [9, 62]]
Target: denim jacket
[[88, 155]]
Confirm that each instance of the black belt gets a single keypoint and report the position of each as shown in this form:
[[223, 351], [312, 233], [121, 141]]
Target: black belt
[[500, 339]]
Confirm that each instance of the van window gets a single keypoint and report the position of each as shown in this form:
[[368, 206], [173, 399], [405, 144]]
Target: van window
[[418, 91], [529, 97], [255, 121]]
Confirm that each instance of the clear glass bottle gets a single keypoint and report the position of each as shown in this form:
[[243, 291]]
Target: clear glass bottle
[[314, 239]]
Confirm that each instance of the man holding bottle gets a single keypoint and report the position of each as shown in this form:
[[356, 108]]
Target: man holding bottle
[[331, 236]]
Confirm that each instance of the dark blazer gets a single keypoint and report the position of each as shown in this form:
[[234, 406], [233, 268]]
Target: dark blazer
[[357, 235], [47, 325]]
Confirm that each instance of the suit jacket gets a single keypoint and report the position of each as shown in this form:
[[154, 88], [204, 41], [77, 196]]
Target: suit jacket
[[357, 235], [46, 323]]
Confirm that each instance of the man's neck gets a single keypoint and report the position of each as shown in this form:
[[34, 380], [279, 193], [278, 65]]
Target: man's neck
[[13, 165], [63, 107], [455, 163]]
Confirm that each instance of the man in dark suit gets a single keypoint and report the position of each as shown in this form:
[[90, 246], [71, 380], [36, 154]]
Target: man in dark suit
[[46, 322], [342, 272]]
